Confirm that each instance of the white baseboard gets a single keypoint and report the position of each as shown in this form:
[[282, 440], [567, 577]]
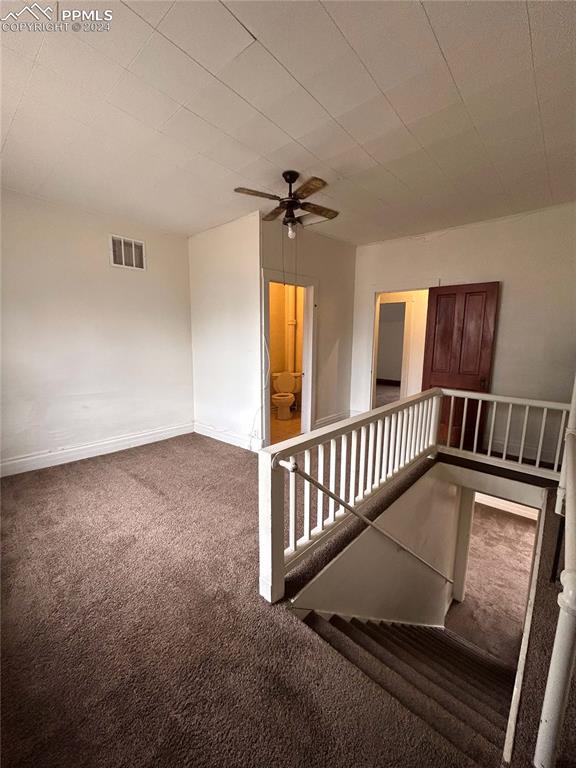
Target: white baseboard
[[332, 419], [225, 436], [507, 506], [45, 459]]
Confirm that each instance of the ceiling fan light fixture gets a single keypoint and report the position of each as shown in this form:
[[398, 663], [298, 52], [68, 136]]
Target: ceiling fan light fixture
[[291, 230]]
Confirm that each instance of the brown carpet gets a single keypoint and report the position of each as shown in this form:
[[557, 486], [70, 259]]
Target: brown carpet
[[133, 634], [499, 564]]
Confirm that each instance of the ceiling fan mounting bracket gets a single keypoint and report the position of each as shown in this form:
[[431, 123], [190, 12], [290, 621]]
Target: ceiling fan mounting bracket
[[290, 176]]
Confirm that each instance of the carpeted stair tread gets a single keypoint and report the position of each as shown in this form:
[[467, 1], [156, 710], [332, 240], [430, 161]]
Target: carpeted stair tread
[[472, 657], [472, 698], [496, 696], [434, 690], [491, 662], [495, 699], [343, 637], [443, 659]]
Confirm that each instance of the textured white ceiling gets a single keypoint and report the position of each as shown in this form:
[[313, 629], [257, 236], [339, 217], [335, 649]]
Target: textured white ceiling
[[420, 115]]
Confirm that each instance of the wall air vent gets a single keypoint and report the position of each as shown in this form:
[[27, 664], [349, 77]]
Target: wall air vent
[[126, 253]]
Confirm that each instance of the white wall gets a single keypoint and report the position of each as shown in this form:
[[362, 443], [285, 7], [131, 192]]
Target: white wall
[[225, 307], [390, 342], [95, 357], [533, 256], [373, 578], [330, 264]]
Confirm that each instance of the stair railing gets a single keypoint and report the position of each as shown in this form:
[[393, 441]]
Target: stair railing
[[354, 458], [293, 467], [563, 658]]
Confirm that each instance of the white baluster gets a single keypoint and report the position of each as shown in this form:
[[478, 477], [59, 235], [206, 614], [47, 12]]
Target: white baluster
[[421, 407], [507, 433], [463, 428], [370, 462], [541, 440], [362, 469], [378, 459], [491, 438], [307, 490], [560, 441], [398, 439], [320, 497], [343, 470], [448, 439], [292, 508], [404, 436], [332, 481], [353, 459], [385, 449], [523, 438], [477, 427]]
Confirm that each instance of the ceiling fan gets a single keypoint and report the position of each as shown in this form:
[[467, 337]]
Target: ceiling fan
[[293, 201]]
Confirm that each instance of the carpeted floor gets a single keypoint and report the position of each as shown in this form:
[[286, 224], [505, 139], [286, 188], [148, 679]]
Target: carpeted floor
[[385, 394], [499, 564], [133, 634]]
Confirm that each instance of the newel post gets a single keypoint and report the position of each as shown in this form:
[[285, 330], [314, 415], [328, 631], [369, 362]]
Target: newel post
[[271, 528], [563, 657], [436, 408]]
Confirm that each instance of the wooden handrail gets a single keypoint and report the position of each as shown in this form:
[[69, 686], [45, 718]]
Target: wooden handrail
[[301, 443]]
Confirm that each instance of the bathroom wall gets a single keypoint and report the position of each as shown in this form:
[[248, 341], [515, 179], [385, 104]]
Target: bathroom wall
[[280, 343], [277, 328]]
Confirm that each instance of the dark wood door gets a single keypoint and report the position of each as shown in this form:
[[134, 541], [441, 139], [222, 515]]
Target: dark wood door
[[458, 353]]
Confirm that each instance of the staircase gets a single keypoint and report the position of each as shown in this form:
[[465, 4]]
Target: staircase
[[462, 692]]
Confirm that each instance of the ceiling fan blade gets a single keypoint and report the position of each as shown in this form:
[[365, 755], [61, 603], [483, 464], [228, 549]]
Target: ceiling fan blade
[[319, 210], [274, 213], [256, 193], [314, 184]]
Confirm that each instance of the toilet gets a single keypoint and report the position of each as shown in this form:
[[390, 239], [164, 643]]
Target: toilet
[[285, 384]]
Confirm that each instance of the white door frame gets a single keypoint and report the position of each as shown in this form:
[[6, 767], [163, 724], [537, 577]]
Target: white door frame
[[408, 305], [308, 413]]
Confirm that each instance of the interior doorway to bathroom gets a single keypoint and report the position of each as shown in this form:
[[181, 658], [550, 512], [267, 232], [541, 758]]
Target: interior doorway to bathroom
[[286, 347], [288, 360]]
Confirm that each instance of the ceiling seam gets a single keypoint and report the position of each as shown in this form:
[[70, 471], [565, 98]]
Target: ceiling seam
[[216, 77], [540, 122], [331, 117], [436, 163], [472, 121]]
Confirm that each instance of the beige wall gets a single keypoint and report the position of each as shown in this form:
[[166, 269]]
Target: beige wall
[[280, 344], [532, 255], [95, 357], [277, 328], [329, 264], [225, 307], [390, 341]]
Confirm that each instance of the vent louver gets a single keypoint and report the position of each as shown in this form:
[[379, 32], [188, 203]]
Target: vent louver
[[127, 253]]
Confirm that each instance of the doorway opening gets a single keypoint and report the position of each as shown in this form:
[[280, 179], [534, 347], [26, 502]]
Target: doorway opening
[[399, 338], [502, 544], [389, 355], [287, 401]]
